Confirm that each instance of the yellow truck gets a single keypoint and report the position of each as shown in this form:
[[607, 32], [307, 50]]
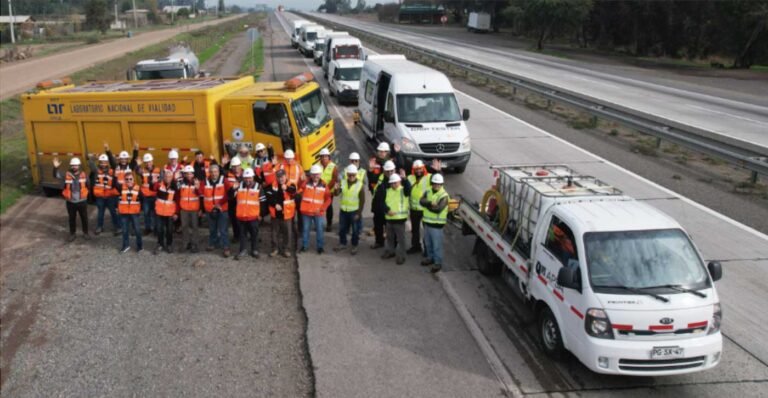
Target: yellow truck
[[186, 115]]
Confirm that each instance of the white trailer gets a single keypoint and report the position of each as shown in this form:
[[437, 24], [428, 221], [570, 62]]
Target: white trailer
[[479, 22], [611, 279]]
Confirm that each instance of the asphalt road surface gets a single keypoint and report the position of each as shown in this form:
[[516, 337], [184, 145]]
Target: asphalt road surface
[[503, 324], [17, 77], [743, 118]]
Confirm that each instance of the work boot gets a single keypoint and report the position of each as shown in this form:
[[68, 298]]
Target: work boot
[[320, 251], [328, 228], [435, 268], [302, 250], [157, 250], [139, 250], [286, 254], [239, 255], [86, 236], [274, 253], [387, 256], [353, 251], [425, 262], [116, 233], [125, 249], [147, 231], [377, 246], [97, 231], [169, 248], [340, 248], [400, 261], [255, 254], [226, 252], [209, 248], [71, 238], [193, 249], [414, 250]]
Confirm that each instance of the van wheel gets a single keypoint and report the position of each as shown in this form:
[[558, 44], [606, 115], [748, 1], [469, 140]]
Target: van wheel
[[461, 169], [487, 262], [51, 192], [549, 334]]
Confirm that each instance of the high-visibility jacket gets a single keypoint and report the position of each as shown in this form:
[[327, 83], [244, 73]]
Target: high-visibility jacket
[[189, 196], [377, 170], [289, 205], [397, 203], [165, 205], [176, 171], [70, 179], [350, 195], [248, 202], [417, 190], [120, 173], [129, 201], [293, 174], [104, 186], [314, 198], [266, 170], [215, 194], [148, 177], [328, 173], [431, 217], [361, 174]]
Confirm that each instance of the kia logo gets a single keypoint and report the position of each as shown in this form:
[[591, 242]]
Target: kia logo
[[666, 321], [440, 147]]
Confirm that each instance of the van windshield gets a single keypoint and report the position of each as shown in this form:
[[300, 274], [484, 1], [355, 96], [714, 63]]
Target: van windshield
[[310, 112], [647, 260], [319, 46], [348, 74], [427, 108], [160, 74], [346, 52], [310, 36]]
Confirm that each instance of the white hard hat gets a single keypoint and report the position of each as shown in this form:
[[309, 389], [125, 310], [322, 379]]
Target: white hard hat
[[103, 158], [352, 169], [74, 162], [248, 173], [235, 162], [316, 169], [188, 169], [354, 156], [124, 155], [383, 147], [289, 154], [418, 163], [148, 157], [437, 178], [389, 165], [394, 178], [260, 147], [173, 154], [325, 152]]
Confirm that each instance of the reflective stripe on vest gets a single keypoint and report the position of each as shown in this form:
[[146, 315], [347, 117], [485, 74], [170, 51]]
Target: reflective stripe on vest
[[313, 198], [120, 173], [417, 190], [248, 202], [436, 218], [165, 207], [189, 199], [146, 177], [129, 201], [350, 195], [103, 186], [69, 178], [213, 194], [292, 173], [328, 171], [289, 205], [266, 169], [396, 202]]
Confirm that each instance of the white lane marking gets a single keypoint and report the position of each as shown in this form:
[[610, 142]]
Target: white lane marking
[[727, 114], [645, 180]]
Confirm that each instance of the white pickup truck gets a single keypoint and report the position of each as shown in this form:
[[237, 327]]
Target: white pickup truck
[[611, 279]]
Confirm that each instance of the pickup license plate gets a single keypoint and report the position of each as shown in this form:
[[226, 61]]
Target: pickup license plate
[[667, 352]]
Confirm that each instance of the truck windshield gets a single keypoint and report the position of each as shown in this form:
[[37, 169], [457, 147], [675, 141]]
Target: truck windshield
[[346, 52], [310, 112], [648, 260], [427, 108], [160, 74], [348, 74], [310, 36]]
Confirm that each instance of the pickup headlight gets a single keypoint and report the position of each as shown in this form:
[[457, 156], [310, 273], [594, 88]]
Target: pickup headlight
[[407, 145], [717, 318], [466, 144], [597, 324]]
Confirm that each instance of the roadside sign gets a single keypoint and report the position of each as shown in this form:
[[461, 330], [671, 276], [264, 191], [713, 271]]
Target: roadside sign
[[253, 34], [443, 19]]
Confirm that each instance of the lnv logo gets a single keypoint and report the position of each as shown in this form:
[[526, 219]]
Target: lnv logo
[[55, 109]]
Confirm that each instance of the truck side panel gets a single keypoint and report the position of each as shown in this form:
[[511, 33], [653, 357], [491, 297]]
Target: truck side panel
[[158, 138], [55, 139], [97, 133]]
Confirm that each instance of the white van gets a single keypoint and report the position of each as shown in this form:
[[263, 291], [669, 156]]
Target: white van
[[611, 279], [318, 51], [307, 36], [409, 104], [295, 32], [344, 79], [339, 47]]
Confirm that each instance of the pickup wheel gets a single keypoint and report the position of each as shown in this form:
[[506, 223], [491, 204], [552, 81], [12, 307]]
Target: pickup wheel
[[487, 262], [550, 338]]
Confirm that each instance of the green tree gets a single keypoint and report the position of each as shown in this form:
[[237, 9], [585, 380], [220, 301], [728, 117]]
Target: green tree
[[545, 19], [96, 15]]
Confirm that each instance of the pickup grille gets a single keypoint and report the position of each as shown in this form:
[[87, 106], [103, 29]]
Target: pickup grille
[[660, 365], [447, 147]]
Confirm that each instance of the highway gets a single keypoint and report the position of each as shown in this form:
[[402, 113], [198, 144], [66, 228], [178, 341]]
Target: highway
[[742, 120], [498, 324]]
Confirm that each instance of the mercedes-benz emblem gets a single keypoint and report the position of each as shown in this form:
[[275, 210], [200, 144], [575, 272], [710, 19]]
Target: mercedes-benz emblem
[[440, 148]]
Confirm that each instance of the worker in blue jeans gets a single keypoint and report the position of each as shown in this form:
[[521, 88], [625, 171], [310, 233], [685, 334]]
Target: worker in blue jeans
[[351, 213], [435, 203], [314, 202]]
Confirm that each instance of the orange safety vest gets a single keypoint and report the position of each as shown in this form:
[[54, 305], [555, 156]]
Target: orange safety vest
[[213, 194], [313, 199], [190, 197], [129, 201], [175, 171], [376, 170], [120, 173], [267, 171], [103, 187], [289, 205], [293, 174], [146, 177], [165, 205], [69, 179], [248, 202]]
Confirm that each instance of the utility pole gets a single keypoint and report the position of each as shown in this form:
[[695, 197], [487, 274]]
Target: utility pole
[[173, 12], [10, 14], [117, 21], [135, 18]]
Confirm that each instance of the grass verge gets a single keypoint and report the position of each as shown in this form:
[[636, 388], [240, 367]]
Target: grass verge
[[253, 63]]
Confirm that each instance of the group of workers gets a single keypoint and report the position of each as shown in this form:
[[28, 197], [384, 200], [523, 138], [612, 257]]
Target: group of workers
[[243, 189]]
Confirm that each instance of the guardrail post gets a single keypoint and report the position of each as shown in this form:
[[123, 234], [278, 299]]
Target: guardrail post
[[754, 177], [658, 142]]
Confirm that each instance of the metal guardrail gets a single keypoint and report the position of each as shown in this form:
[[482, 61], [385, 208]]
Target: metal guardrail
[[733, 151]]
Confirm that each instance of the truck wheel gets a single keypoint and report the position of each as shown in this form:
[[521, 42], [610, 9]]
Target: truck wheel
[[51, 192], [549, 334], [487, 262], [461, 169]]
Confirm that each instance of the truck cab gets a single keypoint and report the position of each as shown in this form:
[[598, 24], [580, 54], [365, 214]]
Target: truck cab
[[339, 46], [181, 63], [308, 34], [288, 115], [344, 79]]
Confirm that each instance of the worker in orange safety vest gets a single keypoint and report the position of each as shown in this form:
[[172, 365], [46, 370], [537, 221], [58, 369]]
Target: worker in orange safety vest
[[76, 193], [248, 212]]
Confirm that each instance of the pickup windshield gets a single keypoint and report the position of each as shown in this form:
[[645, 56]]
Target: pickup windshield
[[427, 108], [160, 74], [649, 260], [310, 112], [348, 74]]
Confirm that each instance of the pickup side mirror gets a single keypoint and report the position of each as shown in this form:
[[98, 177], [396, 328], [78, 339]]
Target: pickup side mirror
[[389, 117], [715, 270], [465, 114], [568, 278]]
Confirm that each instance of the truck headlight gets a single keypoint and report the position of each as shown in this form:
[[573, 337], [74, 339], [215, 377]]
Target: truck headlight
[[717, 318], [466, 144], [408, 145], [597, 324]]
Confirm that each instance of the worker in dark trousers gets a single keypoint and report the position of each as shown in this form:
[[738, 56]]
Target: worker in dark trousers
[[249, 198], [232, 183], [75, 191], [378, 203]]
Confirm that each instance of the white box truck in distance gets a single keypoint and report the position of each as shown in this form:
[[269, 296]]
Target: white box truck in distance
[[479, 22], [295, 31], [611, 279], [405, 103]]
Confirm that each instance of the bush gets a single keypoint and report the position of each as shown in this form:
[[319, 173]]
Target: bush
[[92, 39], [388, 12]]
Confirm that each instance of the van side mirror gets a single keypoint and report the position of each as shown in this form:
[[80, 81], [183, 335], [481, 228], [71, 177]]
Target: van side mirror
[[568, 277], [715, 270], [389, 117], [465, 114]]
